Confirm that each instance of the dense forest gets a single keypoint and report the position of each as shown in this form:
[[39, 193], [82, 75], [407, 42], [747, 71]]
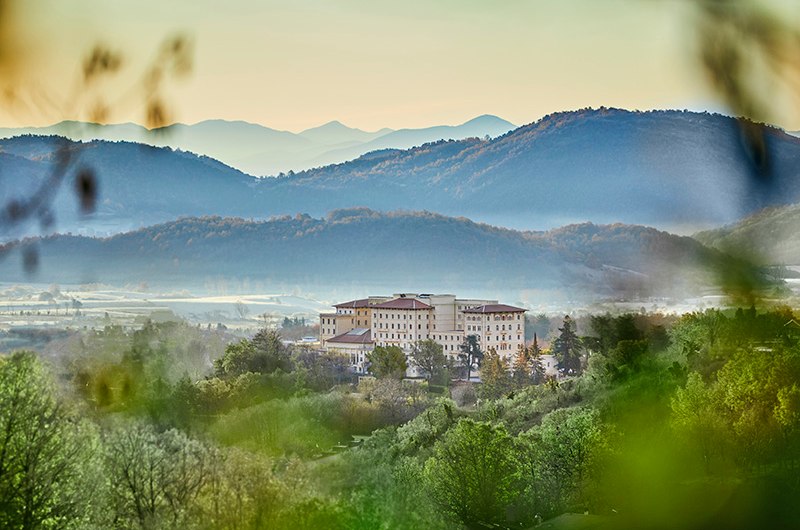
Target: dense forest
[[688, 421]]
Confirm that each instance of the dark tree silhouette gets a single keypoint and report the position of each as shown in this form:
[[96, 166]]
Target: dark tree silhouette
[[470, 353], [568, 348]]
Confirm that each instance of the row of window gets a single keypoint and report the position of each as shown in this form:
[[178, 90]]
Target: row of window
[[406, 316], [391, 336], [409, 345], [405, 326], [497, 327], [508, 317], [497, 338], [439, 338], [513, 316]]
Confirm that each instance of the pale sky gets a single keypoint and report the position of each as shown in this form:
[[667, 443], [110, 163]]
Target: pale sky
[[368, 63]]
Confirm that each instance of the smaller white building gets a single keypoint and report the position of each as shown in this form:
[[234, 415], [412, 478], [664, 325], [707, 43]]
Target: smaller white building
[[356, 343]]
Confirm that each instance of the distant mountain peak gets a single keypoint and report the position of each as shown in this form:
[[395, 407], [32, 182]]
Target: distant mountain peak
[[335, 133], [336, 123], [489, 119], [331, 126]]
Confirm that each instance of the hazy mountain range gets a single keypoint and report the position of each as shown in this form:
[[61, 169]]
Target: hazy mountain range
[[670, 169], [260, 150], [386, 251]]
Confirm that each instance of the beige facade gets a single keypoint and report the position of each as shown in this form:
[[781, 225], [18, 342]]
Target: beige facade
[[405, 318], [497, 326], [350, 315], [327, 327]]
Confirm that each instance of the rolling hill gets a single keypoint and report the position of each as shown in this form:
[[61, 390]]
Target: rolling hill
[[384, 250], [671, 169], [679, 171], [137, 184], [769, 237]]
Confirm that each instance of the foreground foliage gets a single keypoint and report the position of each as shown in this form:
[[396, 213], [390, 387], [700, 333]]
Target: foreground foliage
[[691, 422]]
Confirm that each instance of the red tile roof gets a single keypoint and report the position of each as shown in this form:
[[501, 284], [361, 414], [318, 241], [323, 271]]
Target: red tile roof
[[354, 336], [495, 308], [402, 303], [364, 302]]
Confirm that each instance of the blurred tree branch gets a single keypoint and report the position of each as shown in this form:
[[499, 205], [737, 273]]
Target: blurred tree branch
[[18, 89], [746, 50]]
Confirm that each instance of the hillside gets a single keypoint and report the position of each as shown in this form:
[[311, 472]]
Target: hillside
[[137, 184], [771, 236], [395, 250], [678, 171], [667, 168]]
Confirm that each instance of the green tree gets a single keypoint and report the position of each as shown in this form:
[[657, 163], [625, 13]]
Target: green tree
[[270, 353], [756, 397], [470, 353], [495, 376], [567, 347], [626, 358], [399, 401], [321, 371], [49, 474], [264, 354], [535, 361], [428, 356], [387, 362], [527, 368], [242, 492], [156, 478], [237, 359], [472, 472], [696, 418], [521, 369], [559, 457]]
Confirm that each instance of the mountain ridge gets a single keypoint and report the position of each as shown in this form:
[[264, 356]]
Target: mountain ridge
[[668, 169], [394, 248], [258, 149]]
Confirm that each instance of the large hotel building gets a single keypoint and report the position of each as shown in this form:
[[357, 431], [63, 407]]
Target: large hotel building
[[403, 319]]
